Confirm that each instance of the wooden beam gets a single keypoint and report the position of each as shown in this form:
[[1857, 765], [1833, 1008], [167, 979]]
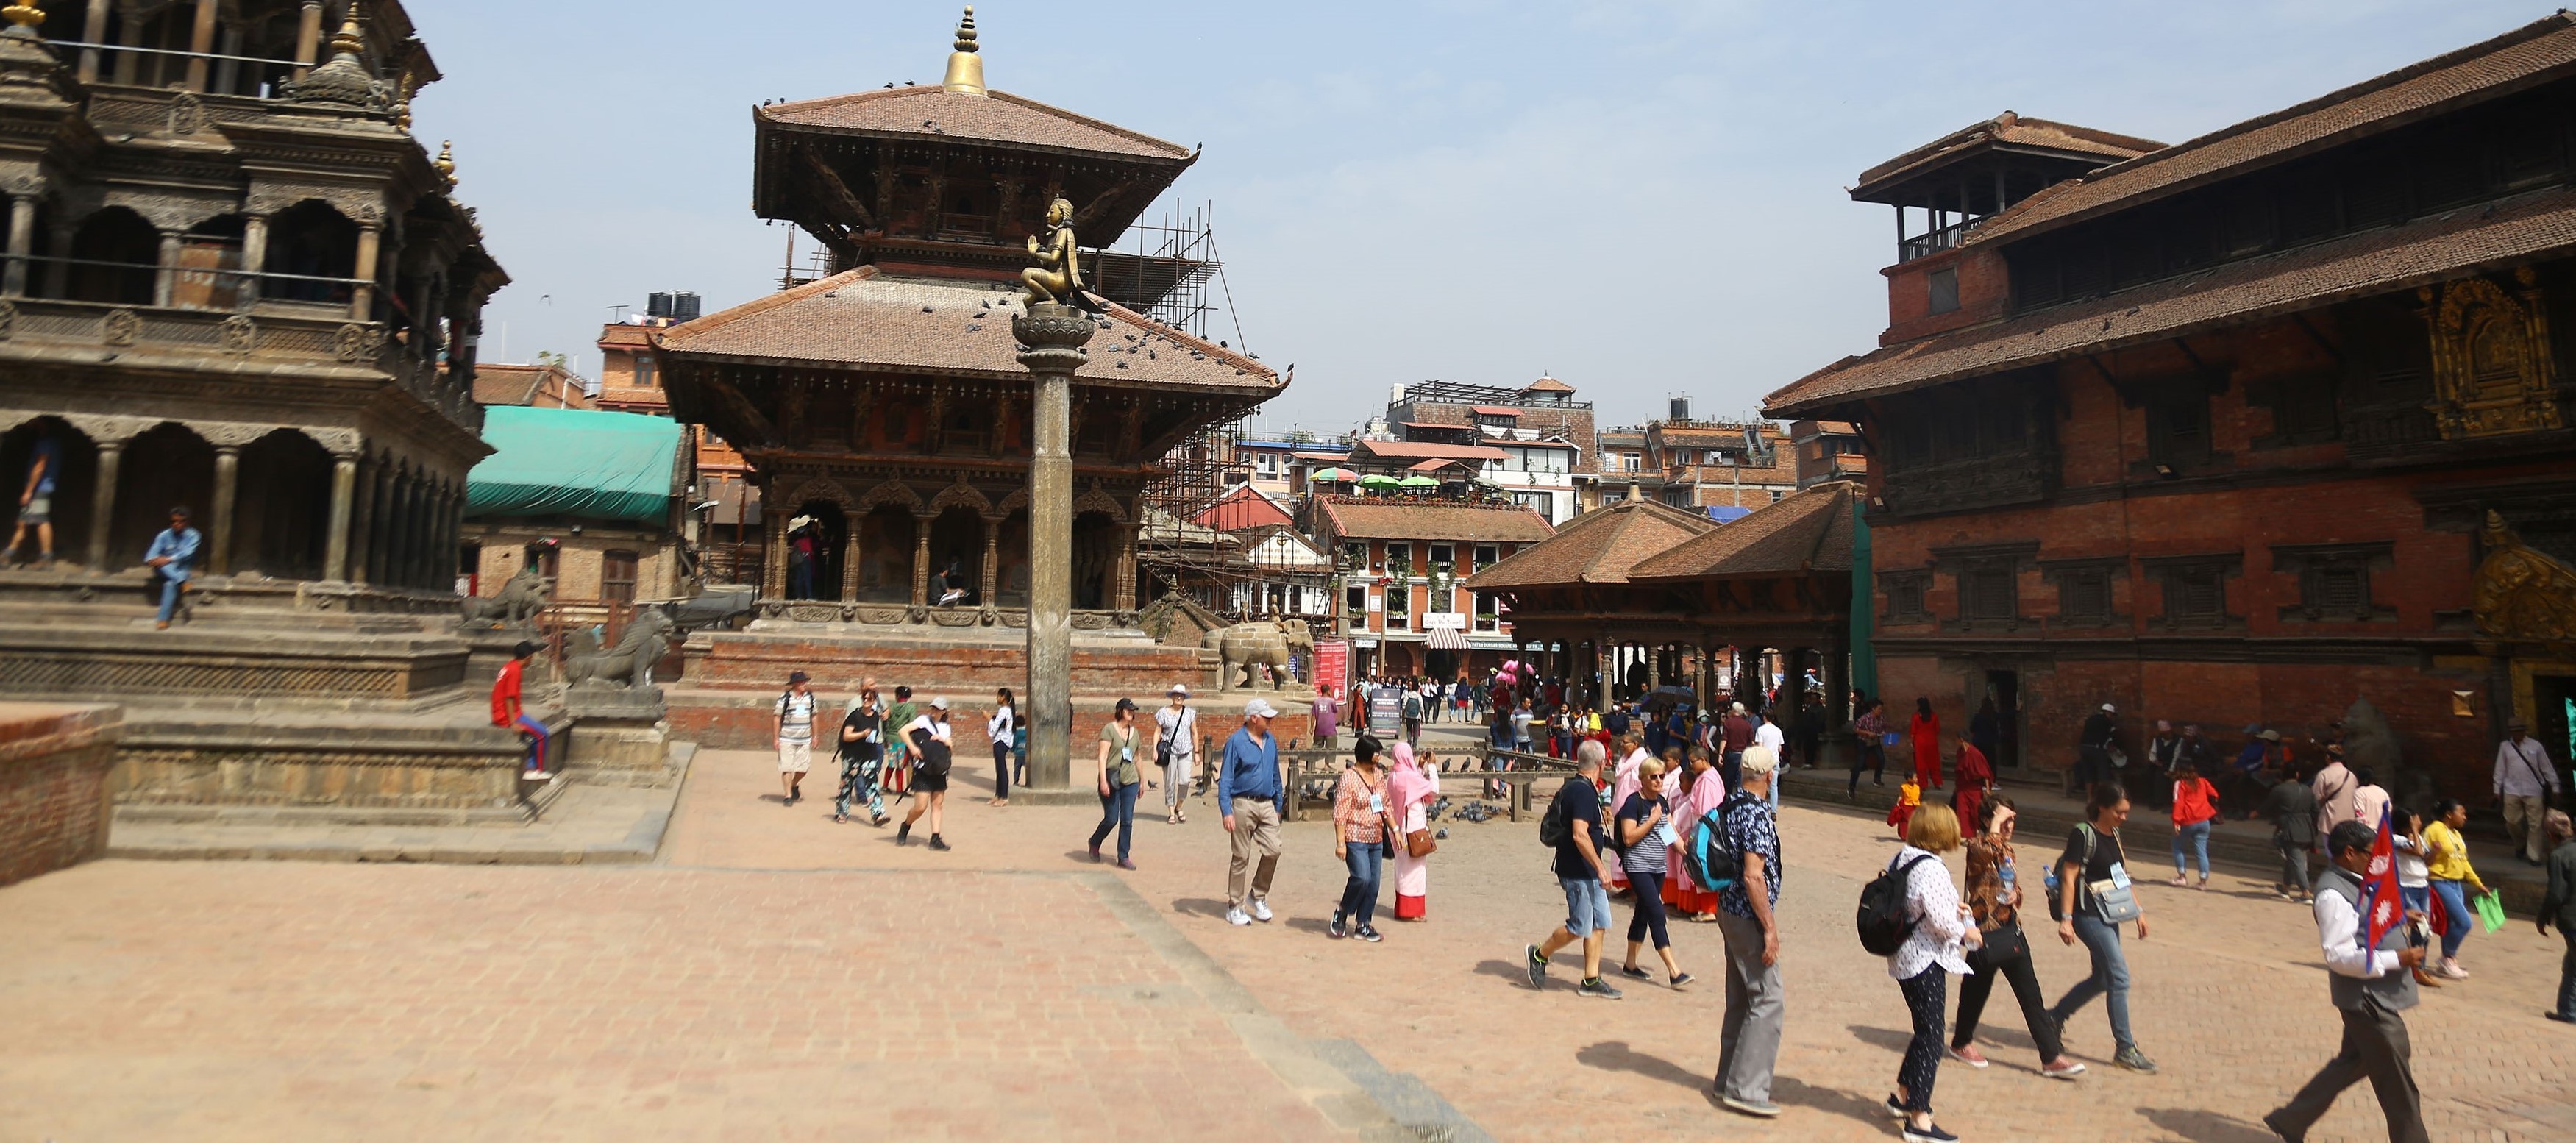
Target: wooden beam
[[836, 194]]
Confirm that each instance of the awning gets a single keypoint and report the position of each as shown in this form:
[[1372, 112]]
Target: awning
[[1445, 639], [574, 462]]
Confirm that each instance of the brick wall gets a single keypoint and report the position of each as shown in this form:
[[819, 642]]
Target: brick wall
[[54, 762]]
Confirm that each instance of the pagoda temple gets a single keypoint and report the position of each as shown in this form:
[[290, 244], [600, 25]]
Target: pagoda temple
[[886, 418]]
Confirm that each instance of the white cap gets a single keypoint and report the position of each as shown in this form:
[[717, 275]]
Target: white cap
[[2109, 709], [1180, 689], [1757, 761], [1259, 708], [940, 703]]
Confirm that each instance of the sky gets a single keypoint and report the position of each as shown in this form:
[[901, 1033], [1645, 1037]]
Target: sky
[[1642, 198]]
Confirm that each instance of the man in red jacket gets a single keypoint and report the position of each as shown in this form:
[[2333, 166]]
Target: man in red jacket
[[508, 712]]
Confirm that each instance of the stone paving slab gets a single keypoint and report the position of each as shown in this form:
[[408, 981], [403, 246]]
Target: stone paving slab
[[585, 825]]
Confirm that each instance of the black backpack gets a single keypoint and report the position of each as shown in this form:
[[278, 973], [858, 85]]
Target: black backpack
[[930, 756], [1882, 920], [1553, 828]]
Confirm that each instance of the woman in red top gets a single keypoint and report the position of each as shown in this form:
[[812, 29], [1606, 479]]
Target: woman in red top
[[1926, 733], [1976, 780], [2195, 809]]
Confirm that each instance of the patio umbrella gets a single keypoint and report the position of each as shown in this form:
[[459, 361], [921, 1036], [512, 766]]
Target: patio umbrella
[[1335, 475], [1377, 480], [1417, 481]]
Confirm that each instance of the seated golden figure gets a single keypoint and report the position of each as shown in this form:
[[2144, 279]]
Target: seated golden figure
[[1058, 273]]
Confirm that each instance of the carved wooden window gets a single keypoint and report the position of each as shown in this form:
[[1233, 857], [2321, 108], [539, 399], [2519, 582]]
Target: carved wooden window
[[617, 576], [2084, 597], [2178, 430], [964, 432], [1988, 593], [2334, 581], [1943, 285], [2493, 369], [1905, 591], [2195, 589], [2303, 409]]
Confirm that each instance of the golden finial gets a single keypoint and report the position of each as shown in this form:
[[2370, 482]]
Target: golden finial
[[965, 67], [445, 163], [351, 40], [24, 15]]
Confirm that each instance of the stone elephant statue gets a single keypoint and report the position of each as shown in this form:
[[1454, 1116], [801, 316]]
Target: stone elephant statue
[[1255, 655]]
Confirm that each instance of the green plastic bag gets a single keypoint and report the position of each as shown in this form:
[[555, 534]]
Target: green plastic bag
[[2490, 907]]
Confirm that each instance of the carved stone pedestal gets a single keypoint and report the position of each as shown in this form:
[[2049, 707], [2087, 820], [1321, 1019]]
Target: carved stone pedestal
[[618, 737]]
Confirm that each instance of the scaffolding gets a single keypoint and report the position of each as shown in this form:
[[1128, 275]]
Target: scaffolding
[[1166, 276]]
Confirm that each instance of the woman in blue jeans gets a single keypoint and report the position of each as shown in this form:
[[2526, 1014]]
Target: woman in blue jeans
[[1119, 777], [2094, 854], [1361, 803]]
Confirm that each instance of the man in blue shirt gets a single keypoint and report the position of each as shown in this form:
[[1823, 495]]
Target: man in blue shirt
[[172, 553], [1247, 787], [36, 500]]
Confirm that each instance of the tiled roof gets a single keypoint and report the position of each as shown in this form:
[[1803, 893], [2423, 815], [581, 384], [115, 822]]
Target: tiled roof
[[865, 318], [1495, 411], [2535, 52], [1547, 385], [545, 385], [2009, 130], [1804, 531], [2472, 239], [1422, 450], [625, 336], [935, 112], [1245, 507], [1399, 518], [1600, 546]]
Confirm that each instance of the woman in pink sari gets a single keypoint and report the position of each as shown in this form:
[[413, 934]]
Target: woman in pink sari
[[1704, 788], [1415, 787], [1630, 750]]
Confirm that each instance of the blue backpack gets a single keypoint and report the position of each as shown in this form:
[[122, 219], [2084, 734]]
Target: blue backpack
[[1712, 863]]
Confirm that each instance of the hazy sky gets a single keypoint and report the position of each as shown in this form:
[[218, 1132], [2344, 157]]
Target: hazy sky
[[1642, 198]]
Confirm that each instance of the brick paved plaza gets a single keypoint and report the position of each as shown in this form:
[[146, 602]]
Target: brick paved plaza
[[775, 976]]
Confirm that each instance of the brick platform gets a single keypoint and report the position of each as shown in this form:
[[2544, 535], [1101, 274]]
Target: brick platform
[[54, 762]]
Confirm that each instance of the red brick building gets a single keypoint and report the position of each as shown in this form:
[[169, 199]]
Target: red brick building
[[2214, 432], [1405, 561]]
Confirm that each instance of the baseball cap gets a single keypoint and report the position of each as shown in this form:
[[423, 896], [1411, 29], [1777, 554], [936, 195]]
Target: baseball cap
[[940, 703], [2109, 709], [1259, 708]]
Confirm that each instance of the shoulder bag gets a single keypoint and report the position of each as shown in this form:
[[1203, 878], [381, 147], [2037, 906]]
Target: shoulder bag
[[2111, 895]]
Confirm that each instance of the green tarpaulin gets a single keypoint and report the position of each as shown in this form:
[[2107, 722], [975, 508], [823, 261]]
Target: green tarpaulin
[[574, 462]]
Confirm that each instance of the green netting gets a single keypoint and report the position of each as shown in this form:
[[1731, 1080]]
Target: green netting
[[574, 462]]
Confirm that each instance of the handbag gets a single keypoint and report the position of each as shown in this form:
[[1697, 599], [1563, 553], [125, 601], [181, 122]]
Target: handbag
[[2490, 909], [2002, 945], [1419, 844]]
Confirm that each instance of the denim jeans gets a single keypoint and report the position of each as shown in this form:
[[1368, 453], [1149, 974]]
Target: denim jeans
[[1118, 808], [1359, 896], [2195, 838], [2110, 978], [1587, 906], [2458, 917], [170, 589], [535, 733]]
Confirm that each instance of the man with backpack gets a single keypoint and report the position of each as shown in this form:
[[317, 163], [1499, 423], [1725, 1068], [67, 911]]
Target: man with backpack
[[1746, 836], [1572, 827], [1413, 717]]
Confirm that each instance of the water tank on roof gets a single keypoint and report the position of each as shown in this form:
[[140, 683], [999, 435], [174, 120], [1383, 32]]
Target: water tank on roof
[[1681, 408], [676, 305]]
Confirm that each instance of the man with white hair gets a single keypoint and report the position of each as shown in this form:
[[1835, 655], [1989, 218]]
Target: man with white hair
[[1247, 793], [1748, 1039], [1572, 826]]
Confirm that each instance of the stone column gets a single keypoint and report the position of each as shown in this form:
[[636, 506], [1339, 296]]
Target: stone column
[[102, 503], [1838, 744], [254, 259], [850, 558], [58, 273], [362, 298], [380, 511], [920, 560], [362, 523], [166, 281], [227, 481], [991, 580], [1122, 596], [22, 242], [1606, 656], [1055, 334], [308, 36], [201, 40], [344, 486], [93, 31], [773, 560], [398, 512]]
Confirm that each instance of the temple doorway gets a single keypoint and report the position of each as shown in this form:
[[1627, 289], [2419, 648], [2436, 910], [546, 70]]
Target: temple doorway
[[816, 537]]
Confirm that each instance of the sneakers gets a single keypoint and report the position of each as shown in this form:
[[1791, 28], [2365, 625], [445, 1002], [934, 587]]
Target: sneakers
[[1095, 853], [2561, 1017], [1537, 967], [1968, 1055], [2276, 1129], [1682, 981], [1260, 910], [2134, 1060], [903, 834], [1597, 987], [1633, 970], [1759, 1109], [1236, 917], [1895, 1109], [2451, 970], [2063, 1069], [1928, 1133], [940, 845], [1127, 865], [1369, 933], [1338, 929]]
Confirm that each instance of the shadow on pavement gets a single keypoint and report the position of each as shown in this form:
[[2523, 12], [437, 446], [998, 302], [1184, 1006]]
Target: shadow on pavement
[[2207, 1126], [1309, 925], [1617, 1056], [1516, 973], [1199, 907], [1799, 1094], [1891, 1040]]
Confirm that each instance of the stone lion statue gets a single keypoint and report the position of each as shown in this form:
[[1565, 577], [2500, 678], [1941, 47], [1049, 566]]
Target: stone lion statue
[[518, 602], [1256, 655], [630, 663]]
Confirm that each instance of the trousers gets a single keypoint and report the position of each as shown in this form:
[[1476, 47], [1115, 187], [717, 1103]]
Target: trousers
[[2567, 977], [1117, 809], [859, 772], [2192, 839], [2525, 821], [2294, 866], [1649, 916], [1002, 770], [1748, 1039], [1367, 864], [1256, 830], [1974, 990], [1925, 994], [2374, 1048], [2110, 979]]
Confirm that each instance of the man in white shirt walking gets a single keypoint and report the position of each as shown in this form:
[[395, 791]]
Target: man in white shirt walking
[[2524, 781], [2370, 988], [1176, 747]]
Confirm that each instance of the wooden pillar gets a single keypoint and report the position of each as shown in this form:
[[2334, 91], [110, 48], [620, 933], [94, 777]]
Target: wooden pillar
[[254, 258], [362, 298], [58, 280], [102, 503], [773, 561], [22, 242], [166, 281], [308, 36], [227, 482], [1605, 654], [344, 486], [990, 581], [127, 63], [201, 40], [93, 31], [850, 556], [920, 560], [1123, 597]]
